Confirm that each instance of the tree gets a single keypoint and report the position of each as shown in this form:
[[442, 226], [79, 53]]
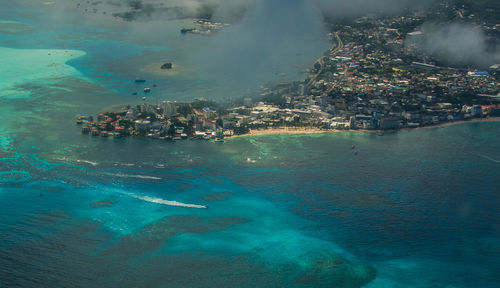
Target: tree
[[184, 109], [189, 128], [220, 122], [275, 99], [241, 130], [317, 66], [171, 130]]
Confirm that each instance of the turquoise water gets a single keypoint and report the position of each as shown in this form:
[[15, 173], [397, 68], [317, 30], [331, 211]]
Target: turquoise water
[[409, 209]]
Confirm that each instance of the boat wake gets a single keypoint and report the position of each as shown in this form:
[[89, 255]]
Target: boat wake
[[168, 202], [489, 158], [133, 176], [88, 162]]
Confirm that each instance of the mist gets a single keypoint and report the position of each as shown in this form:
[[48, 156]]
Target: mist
[[267, 40], [235, 10], [354, 8], [456, 44], [274, 39]]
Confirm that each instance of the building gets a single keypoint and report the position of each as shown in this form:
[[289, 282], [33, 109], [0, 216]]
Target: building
[[388, 123], [169, 109], [131, 113], [473, 111], [142, 125]]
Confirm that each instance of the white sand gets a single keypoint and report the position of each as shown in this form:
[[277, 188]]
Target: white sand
[[20, 66]]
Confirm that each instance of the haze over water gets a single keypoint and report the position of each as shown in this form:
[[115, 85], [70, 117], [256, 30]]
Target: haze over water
[[410, 209]]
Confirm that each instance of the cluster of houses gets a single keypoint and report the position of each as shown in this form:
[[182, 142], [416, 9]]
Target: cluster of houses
[[155, 121], [371, 80], [363, 85]]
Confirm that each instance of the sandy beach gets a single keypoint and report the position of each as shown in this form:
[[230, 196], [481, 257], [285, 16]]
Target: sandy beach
[[316, 130], [297, 131]]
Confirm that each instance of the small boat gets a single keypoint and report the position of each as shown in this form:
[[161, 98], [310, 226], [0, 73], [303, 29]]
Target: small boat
[[140, 80], [186, 30], [85, 129], [147, 90], [79, 121], [353, 146]]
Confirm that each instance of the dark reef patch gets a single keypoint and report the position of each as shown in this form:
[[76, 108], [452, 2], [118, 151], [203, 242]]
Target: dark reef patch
[[153, 235], [217, 196], [100, 204]]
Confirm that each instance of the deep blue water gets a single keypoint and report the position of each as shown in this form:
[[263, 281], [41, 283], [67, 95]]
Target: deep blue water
[[410, 209]]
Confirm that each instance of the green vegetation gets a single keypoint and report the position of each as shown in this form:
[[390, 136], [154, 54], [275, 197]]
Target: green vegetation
[[275, 99], [184, 109], [486, 10], [241, 130], [200, 104]]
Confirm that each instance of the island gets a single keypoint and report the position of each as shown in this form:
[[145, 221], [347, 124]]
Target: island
[[374, 78], [167, 66]]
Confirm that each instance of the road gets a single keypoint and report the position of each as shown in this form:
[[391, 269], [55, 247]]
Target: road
[[338, 46]]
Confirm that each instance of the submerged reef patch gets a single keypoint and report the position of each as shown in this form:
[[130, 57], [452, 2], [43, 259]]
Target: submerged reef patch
[[100, 204], [153, 235]]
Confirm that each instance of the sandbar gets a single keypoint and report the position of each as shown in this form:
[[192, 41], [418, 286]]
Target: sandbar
[[20, 66]]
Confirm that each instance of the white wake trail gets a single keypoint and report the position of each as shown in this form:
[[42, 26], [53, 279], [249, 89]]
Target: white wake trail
[[132, 176], [168, 202]]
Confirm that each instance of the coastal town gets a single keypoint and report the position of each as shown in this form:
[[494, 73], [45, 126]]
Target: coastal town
[[375, 77]]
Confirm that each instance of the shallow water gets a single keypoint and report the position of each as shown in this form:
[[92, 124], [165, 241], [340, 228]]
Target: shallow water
[[409, 209]]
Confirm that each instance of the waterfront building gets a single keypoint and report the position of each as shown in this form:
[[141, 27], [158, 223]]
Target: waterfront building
[[389, 123], [142, 125], [131, 113], [473, 111]]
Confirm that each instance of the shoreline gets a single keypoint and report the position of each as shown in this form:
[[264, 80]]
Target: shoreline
[[315, 130]]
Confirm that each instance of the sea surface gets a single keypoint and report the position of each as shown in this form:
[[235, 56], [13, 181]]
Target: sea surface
[[412, 208]]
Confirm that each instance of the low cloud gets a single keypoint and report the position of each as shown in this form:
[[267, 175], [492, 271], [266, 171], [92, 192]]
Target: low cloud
[[456, 44]]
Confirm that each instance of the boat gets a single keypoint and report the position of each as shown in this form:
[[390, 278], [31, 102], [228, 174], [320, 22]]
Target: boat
[[138, 80], [85, 129], [186, 30], [147, 90]]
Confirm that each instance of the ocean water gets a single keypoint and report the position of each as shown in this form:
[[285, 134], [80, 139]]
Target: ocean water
[[409, 209]]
